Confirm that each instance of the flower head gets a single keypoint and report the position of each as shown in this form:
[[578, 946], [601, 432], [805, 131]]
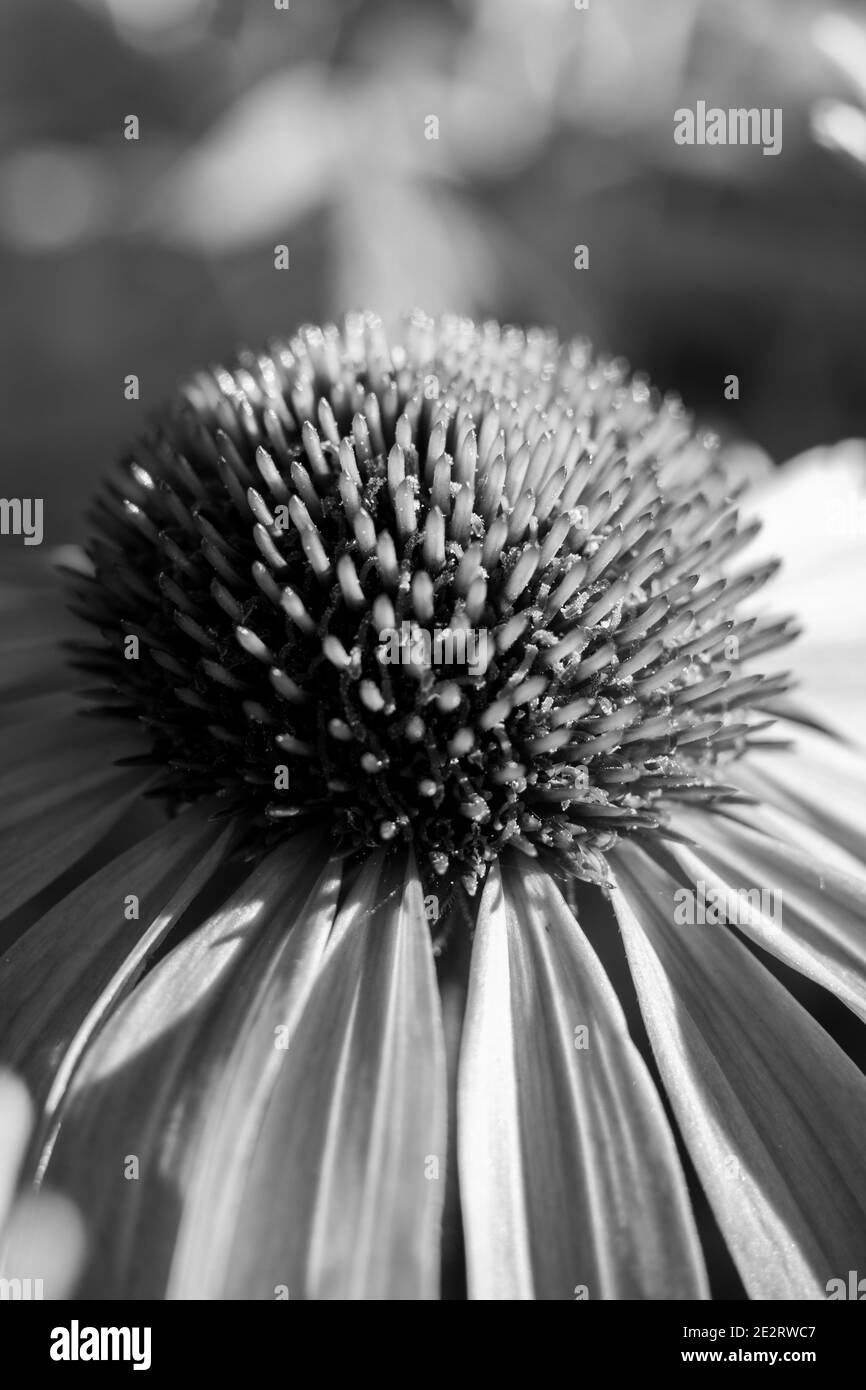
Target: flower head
[[286, 517], [465, 630]]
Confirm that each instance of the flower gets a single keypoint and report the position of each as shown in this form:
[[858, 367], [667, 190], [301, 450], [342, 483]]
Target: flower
[[840, 125], [349, 993], [41, 1237]]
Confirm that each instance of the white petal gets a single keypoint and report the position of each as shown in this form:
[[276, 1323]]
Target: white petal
[[38, 849], [352, 1148], [773, 1112], [138, 1097], [568, 1172], [66, 973], [16, 1118], [812, 510], [45, 1244], [802, 911], [814, 515], [820, 781]]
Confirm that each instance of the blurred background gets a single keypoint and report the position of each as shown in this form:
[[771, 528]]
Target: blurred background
[[308, 127]]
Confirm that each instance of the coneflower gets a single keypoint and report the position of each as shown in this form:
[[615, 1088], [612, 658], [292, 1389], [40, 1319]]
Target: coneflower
[[259, 1107], [284, 517]]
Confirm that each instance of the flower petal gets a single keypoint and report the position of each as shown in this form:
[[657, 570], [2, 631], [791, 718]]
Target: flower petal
[[811, 916], [814, 517], [266, 1000], [788, 827], [811, 511], [59, 794], [16, 1114], [821, 780], [67, 972], [34, 621], [41, 1238], [134, 1109], [27, 666], [758, 1088], [352, 1148], [44, 1243], [36, 709], [568, 1170]]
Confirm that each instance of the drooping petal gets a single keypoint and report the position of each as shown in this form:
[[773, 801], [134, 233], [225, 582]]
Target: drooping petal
[[125, 1131], [37, 709], [36, 762], [352, 1148], [44, 1244], [814, 517], [822, 781], [37, 851], [61, 979], [811, 509], [801, 910], [772, 1110], [59, 794], [41, 1237], [246, 1045], [27, 666], [569, 1176], [33, 623], [16, 1117], [788, 827]]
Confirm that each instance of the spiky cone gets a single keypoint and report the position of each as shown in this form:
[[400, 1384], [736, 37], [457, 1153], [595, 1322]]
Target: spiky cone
[[398, 982]]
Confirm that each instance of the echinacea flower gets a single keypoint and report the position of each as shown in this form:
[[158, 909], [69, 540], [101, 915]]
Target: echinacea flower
[[347, 994]]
